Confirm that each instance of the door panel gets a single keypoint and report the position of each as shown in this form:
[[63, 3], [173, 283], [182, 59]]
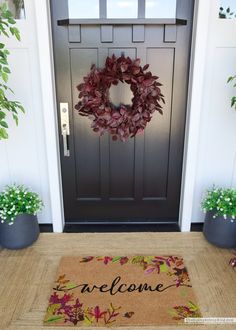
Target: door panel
[[121, 177], [138, 180], [86, 144], [157, 134]]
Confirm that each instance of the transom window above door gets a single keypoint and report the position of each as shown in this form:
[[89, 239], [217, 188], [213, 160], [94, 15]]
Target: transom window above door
[[227, 9], [94, 9]]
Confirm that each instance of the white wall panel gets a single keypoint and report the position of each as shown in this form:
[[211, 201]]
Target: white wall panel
[[216, 162], [234, 173], [23, 156]]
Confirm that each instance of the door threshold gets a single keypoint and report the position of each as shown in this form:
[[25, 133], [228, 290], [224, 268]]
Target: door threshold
[[77, 228], [120, 228]]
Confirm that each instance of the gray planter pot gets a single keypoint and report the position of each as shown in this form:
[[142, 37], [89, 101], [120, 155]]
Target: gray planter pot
[[219, 231], [21, 234]]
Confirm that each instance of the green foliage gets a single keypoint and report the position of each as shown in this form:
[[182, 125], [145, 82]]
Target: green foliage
[[226, 13], [15, 200], [7, 29], [220, 201], [231, 79]]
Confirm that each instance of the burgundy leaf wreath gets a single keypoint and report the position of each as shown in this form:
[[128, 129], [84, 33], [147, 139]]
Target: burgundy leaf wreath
[[123, 121]]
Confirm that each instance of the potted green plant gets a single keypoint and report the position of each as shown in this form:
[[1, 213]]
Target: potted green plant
[[219, 204], [18, 217]]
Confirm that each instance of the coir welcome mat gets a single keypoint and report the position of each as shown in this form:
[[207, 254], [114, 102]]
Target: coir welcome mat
[[121, 291]]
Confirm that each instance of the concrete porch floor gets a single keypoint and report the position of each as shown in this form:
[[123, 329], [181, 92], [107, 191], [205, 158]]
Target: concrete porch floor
[[27, 275]]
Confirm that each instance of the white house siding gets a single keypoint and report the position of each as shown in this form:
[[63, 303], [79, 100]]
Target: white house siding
[[23, 157], [217, 144]]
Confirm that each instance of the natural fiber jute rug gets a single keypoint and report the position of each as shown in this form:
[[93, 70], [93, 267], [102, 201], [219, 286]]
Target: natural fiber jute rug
[[121, 291]]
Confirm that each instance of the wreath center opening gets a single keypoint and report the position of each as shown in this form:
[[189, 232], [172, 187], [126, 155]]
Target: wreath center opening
[[120, 94]]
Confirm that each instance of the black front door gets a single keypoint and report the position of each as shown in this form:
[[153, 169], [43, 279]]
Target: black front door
[[112, 181]]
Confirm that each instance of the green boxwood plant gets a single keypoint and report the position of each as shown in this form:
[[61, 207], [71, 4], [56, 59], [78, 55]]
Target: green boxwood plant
[[17, 199], [7, 29], [222, 202]]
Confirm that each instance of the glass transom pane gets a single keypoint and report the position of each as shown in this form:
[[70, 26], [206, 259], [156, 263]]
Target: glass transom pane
[[227, 9], [122, 8], [83, 8], [160, 9]]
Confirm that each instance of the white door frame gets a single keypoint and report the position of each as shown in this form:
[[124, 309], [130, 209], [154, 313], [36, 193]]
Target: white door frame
[[45, 54], [196, 78], [199, 49]]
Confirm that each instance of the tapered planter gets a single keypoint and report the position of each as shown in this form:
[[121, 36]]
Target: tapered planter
[[219, 231], [21, 234]]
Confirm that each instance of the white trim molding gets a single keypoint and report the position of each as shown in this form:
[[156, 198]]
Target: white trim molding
[[45, 53], [196, 83]]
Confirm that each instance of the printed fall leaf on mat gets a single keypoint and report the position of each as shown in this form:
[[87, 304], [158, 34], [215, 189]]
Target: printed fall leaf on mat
[[172, 265], [128, 314], [62, 284], [106, 260], [71, 310], [111, 314], [182, 312], [87, 259]]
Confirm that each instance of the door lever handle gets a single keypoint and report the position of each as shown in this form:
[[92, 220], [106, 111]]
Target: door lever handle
[[65, 128], [65, 142]]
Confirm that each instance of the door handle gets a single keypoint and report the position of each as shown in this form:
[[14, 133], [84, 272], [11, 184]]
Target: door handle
[[65, 143], [65, 128]]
